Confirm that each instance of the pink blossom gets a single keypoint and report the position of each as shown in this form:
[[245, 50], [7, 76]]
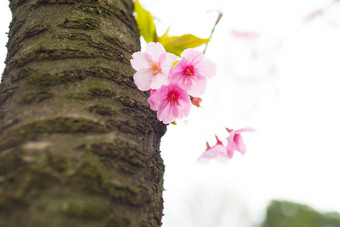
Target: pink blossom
[[171, 102], [218, 152], [235, 141], [192, 72], [152, 66]]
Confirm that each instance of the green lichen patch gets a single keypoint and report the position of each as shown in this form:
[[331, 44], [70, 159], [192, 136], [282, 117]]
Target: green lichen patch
[[21, 75], [95, 92], [16, 44], [2, 115], [55, 125], [119, 220], [71, 2], [116, 42], [8, 160], [91, 177], [43, 54], [58, 164], [127, 101], [91, 208], [17, 184], [106, 49], [36, 97], [93, 9], [114, 75], [80, 36], [34, 30], [47, 80], [4, 97], [131, 195], [102, 110], [123, 16], [64, 125], [109, 50], [121, 151], [80, 23]]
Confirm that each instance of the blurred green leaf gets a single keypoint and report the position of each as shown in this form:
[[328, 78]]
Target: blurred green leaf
[[289, 214], [145, 23], [177, 44]]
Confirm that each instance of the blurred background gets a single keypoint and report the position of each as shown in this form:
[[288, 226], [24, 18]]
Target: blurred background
[[278, 71]]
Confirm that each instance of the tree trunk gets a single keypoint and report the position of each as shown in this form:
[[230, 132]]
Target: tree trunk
[[79, 145]]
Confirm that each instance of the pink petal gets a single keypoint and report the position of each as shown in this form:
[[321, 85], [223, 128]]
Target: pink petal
[[185, 109], [235, 141], [185, 82], [158, 80], [231, 145], [231, 150], [240, 146], [174, 75], [247, 129], [165, 115], [206, 68], [154, 100], [222, 158], [198, 87], [193, 56], [177, 71], [140, 61], [152, 91], [142, 80], [203, 160], [163, 91], [155, 50], [168, 62], [174, 110], [167, 111], [216, 152]]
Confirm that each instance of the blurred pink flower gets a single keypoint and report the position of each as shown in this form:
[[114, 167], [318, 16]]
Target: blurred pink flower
[[244, 34], [171, 102], [235, 141], [192, 72], [315, 14], [217, 152], [152, 67]]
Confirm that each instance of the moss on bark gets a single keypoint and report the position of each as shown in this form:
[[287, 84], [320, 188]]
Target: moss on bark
[[79, 145]]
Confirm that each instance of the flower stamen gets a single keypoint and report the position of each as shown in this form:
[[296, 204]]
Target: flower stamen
[[154, 68], [173, 97], [190, 71]]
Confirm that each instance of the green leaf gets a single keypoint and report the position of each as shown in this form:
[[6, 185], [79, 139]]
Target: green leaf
[[177, 44], [145, 23]]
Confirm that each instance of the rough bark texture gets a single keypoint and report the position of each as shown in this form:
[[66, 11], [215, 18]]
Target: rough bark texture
[[79, 145]]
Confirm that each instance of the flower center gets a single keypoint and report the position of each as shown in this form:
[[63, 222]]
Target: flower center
[[154, 68], [190, 71], [173, 97]]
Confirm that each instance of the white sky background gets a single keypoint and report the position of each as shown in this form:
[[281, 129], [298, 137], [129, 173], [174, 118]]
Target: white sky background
[[285, 83]]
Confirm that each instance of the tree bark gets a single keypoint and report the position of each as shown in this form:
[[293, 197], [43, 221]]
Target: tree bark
[[79, 145]]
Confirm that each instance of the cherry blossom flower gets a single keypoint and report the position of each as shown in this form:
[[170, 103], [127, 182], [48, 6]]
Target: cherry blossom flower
[[235, 141], [171, 102], [192, 71], [152, 66], [217, 152]]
